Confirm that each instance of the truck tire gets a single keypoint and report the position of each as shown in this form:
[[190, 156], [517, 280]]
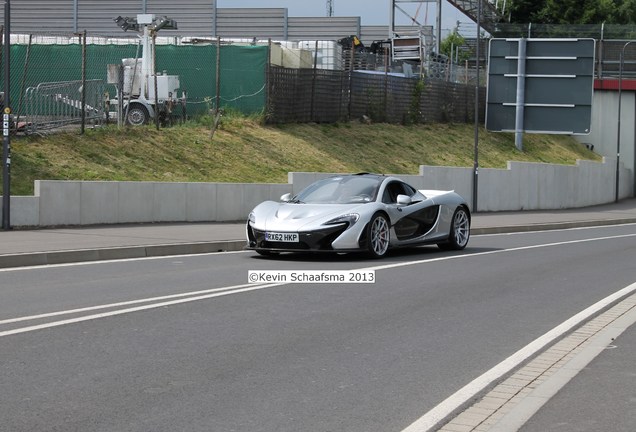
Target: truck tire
[[137, 115]]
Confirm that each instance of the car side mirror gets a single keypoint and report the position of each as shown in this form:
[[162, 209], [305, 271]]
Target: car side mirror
[[286, 197], [404, 200]]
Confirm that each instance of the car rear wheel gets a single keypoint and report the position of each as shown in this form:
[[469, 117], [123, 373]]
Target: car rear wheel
[[378, 235], [459, 231]]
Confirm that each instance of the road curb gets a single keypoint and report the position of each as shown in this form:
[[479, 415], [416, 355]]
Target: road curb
[[145, 251], [115, 253], [551, 226]]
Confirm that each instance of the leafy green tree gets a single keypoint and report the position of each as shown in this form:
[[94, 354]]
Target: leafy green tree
[[525, 11], [451, 43], [573, 11]]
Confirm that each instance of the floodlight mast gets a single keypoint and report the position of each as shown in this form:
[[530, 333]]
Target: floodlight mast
[[155, 95], [149, 26]]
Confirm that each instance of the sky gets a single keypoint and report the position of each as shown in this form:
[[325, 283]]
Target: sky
[[371, 12]]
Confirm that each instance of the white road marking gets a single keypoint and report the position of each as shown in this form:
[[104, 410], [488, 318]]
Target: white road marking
[[538, 230], [125, 303], [469, 391], [97, 262], [130, 310], [154, 258], [521, 248], [194, 296]]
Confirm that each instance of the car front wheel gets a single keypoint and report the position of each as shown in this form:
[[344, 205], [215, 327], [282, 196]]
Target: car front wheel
[[378, 235]]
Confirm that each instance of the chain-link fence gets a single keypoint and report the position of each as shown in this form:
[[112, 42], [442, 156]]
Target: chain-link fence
[[54, 76], [611, 40], [301, 95], [62, 79]]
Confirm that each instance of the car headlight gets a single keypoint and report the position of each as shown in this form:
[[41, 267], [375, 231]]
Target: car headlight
[[251, 218], [349, 218]]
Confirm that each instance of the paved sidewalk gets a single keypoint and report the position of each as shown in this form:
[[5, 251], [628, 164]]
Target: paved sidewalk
[[21, 247]]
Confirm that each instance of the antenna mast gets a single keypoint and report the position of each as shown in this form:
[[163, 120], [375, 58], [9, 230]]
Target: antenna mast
[[330, 8]]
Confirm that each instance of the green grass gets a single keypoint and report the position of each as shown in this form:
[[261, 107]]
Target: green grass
[[245, 150]]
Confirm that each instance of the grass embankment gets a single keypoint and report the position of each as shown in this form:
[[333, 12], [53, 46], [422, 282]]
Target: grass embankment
[[244, 150]]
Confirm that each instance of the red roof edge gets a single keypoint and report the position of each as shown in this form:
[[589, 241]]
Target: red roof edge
[[612, 84]]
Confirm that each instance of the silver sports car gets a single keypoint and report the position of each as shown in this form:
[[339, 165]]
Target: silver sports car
[[359, 212]]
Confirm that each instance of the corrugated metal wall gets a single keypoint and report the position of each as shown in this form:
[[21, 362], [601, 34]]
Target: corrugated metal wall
[[323, 28], [96, 17], [194, 18], [249, 23], [30, 16]]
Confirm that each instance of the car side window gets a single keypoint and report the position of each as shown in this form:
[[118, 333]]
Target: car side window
[[408, 190], [391, 192]]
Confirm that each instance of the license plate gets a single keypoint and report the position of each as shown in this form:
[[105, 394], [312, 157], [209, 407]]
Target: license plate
[[281, 237]]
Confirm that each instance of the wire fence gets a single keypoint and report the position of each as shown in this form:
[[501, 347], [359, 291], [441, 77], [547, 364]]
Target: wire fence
[[63, 79], [53, 75], [327, 96], [611, 40]]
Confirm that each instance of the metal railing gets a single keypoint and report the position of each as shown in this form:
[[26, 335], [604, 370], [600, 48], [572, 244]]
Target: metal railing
[[53, 105]]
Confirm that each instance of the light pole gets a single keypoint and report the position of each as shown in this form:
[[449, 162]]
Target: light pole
[[6, 122], [618, 137], [476, 144]]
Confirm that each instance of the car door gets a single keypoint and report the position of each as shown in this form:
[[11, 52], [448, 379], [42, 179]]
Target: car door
[[410, 223]]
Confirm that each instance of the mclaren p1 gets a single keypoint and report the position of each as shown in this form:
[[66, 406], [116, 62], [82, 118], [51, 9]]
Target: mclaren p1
[[359, 212]]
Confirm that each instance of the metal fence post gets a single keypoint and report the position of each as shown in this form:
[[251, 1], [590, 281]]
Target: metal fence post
[[83, 88], [350, 93], [154, 72], [24, 77], [313, 85], [6, 147]]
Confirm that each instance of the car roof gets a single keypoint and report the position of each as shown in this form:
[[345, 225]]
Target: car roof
[[380, 177]]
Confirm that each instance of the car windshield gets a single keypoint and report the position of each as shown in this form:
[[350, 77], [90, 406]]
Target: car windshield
[[341, 190]]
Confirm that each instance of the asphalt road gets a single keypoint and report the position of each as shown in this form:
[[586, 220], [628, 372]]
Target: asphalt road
[[185, 343]]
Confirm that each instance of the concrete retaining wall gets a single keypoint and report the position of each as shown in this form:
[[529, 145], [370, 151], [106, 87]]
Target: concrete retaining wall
[[90, 203], [522, 186], [534, 186]]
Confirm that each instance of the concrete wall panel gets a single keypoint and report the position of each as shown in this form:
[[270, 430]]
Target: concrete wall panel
[[522, 186], [25, 211], [169, 202], [98, 202], [59, 202], [201, 202], [135, 202], [230, 197]]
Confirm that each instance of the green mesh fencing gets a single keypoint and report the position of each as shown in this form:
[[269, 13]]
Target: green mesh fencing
[[242, 77]]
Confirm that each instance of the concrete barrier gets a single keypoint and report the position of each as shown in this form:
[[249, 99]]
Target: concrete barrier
[[521, 186]]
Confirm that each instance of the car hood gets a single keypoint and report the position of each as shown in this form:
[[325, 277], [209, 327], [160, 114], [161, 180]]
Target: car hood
[[273, 216]]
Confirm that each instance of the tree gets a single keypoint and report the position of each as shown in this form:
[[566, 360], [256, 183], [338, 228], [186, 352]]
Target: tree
[[451, 44], [573, 11], [525, 11]]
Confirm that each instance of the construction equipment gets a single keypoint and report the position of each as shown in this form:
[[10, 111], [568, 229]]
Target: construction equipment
[[142, 95]]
